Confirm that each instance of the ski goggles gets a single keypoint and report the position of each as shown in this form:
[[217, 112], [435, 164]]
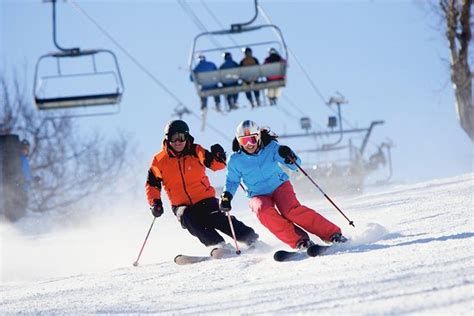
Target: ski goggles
[[248, 140], [177, 137]]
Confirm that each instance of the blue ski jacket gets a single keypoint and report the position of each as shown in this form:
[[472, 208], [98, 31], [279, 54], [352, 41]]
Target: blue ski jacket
[[229, 63], [261, 173], [204, 66]]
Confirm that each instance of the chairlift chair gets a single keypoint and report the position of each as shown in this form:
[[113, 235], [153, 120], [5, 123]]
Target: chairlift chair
[[48, 94], [242, 74], [47, 100]]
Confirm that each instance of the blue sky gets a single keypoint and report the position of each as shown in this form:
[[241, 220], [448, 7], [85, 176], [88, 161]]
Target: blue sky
[[389, 59]]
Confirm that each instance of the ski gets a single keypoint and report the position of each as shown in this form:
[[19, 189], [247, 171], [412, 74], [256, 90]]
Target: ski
[[185, 259], [283, 255], [313, 251], [316, 250], [216, 253]]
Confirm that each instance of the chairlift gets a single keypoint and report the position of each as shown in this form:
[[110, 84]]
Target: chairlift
[[255, 74], [72, 77]]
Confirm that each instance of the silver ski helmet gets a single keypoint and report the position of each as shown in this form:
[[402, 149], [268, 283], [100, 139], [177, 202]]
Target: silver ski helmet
[[248, 132]]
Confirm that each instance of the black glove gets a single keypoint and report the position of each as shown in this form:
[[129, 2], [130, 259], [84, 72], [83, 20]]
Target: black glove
[[218, 152], [157, 208], [287, 153], [224, 203]]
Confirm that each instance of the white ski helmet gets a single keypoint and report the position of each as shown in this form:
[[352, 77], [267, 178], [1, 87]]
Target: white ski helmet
[[247, 131]]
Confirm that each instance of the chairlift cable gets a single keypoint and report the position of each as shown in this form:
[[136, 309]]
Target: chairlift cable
[[239, 25], [217, 21], [313, 85], [139, 65], [215, 129], [291, 103], [267, 18], [186, 8], [286, 112], [258, 7], [211, 13], [134, 60]]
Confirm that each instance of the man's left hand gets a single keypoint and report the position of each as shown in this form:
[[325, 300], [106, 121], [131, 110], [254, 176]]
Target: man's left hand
[[218, 152]]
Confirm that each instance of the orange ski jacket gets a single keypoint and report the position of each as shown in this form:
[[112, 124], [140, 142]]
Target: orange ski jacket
[[182, 175]]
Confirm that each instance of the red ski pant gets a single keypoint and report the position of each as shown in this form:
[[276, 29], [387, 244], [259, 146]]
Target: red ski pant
[[289, 219]]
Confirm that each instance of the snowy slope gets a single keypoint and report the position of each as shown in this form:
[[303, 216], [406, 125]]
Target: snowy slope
[[412, 252]]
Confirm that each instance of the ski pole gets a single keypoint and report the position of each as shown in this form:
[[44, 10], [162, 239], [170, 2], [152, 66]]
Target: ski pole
[[143, 246], [237, 250], [321, 190]]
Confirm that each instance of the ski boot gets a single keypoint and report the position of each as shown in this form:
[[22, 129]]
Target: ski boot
[[338, 238], [304, 244], [310, 248], [222, 250]]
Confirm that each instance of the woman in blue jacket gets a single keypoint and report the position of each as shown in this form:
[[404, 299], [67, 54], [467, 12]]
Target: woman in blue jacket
[[256, 162]]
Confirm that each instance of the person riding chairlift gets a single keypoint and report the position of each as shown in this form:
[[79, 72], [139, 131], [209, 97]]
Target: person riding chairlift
[[274, 93], [205, 66], [227, 64], [249, 60]]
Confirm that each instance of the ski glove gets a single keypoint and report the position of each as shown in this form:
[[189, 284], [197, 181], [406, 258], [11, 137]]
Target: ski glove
[[224, 203], [218, 152], [157, 208], [287, 153]]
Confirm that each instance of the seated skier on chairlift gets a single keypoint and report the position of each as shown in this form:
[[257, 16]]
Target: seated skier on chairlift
[[205, 66], [230, 63], [249, 60], [274, 93]]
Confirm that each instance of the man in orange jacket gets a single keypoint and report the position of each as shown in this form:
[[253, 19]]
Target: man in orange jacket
[[181, 168]]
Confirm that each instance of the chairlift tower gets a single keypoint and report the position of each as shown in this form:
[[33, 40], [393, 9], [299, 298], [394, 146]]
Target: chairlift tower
[[332, 122]]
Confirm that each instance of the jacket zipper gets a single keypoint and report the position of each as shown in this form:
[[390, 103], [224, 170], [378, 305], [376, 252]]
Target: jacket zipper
[[182, 179]]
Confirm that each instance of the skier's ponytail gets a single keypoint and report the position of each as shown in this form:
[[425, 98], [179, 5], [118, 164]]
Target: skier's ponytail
[[266, 136]]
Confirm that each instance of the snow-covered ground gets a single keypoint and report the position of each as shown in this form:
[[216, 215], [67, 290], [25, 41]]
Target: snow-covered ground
[[412, 251]]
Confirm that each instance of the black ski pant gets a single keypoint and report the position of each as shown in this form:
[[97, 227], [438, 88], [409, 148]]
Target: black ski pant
[[204, 218]]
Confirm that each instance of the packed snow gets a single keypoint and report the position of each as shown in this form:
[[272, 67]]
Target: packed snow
[[411, 252]]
